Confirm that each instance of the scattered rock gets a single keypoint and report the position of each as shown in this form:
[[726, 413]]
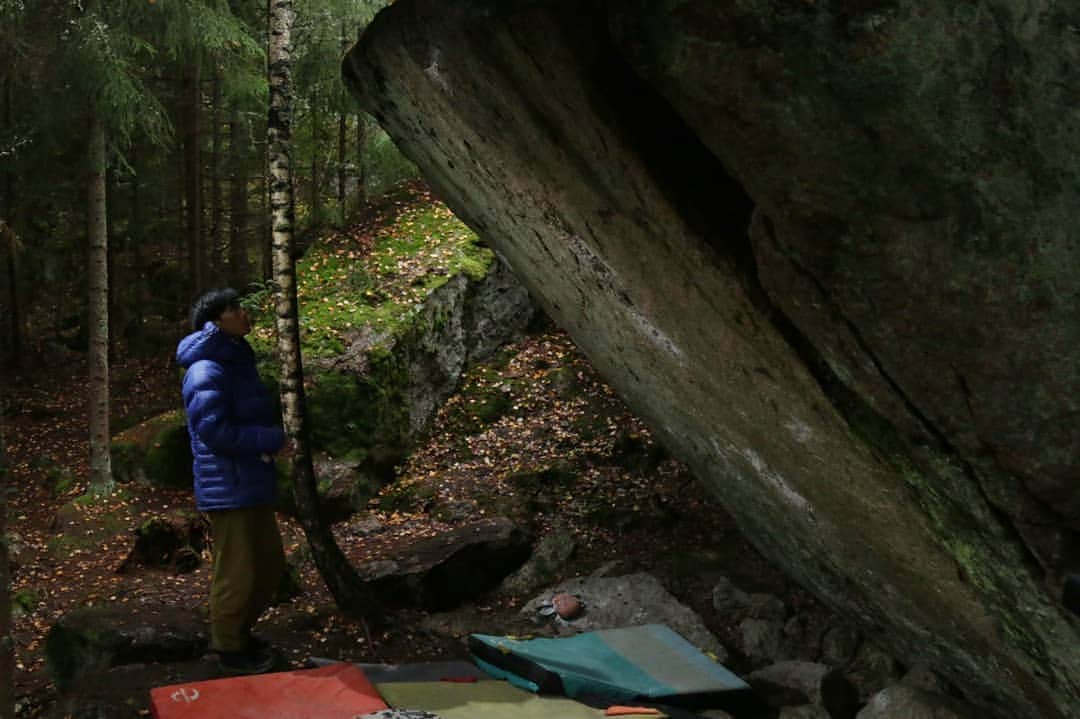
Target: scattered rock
[[839, 644], [761, 640], [627, 601], [731, 601], [788, 684], [548, 559], [94, 639], [904, 702], [872, 670], [440, 572]]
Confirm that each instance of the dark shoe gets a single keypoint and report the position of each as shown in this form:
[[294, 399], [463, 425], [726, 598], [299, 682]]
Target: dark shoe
[[260, 648], [238, 663]]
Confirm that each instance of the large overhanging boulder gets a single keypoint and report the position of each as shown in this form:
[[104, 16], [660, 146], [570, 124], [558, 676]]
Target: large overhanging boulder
[[828, 249]]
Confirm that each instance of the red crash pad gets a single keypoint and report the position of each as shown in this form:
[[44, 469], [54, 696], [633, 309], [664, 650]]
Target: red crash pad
[[337, 691]]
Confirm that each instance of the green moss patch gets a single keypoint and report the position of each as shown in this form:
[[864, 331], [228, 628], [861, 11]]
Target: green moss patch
[[157, 451], [373, 276]]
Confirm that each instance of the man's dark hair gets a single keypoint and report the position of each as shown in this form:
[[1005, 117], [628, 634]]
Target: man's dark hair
[[211, 304]]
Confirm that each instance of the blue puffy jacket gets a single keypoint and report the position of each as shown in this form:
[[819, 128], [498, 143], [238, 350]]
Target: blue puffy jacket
[[231, 420]]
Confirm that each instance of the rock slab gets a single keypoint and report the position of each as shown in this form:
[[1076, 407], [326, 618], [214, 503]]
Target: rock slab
[[826, 250]]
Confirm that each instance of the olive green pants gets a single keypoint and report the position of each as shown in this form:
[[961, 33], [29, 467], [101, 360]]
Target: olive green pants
[[248, 564]]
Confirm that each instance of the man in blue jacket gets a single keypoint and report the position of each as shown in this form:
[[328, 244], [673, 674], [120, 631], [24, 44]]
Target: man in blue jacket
[[234, 435]]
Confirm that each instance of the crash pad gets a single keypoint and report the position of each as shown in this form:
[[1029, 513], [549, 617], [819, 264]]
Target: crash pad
[[622, 665], [338, 691], [414, 672], [488, 699]]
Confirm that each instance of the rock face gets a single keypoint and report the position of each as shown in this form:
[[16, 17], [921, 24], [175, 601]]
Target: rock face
[[375, 400], [827, 249], [442, 571]]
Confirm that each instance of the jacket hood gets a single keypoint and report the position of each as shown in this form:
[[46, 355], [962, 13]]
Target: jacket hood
[[210, 343]]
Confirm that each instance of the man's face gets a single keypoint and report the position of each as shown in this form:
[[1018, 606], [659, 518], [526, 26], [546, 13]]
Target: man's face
[[235, 321]]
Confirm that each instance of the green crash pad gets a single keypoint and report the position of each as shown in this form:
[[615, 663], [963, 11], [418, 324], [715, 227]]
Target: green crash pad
[[646, 662], [482, 700]]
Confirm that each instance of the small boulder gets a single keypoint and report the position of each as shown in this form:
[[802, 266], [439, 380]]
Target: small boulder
[[441, 572], [761, 640], [839, 644], [94, 639], [730, 601], [626, 601], [904, 702], [872, 670], [793, 683]]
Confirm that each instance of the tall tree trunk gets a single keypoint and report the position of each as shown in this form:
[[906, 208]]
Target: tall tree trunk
[[97, 268], [349, 591], [110, 264], [7, 643], [136, 238], [9, 239], [343, 126], [361, 165], [217, 232], [316, 195], [238, 209], [193, 176]]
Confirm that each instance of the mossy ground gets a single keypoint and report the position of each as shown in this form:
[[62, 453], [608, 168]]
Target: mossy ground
[[374, 275]]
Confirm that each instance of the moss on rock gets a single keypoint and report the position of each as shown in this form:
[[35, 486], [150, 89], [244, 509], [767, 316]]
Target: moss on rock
[[157, 451]]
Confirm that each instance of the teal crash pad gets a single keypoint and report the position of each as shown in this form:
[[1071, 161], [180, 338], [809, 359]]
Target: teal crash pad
[[647, 662]]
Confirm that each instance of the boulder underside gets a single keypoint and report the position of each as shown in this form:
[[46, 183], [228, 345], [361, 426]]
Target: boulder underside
[[827, 250]]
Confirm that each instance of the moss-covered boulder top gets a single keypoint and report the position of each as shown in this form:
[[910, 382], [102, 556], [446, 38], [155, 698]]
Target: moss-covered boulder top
[[370, 278]]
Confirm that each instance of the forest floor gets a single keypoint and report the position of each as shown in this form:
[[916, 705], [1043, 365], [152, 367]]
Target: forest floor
[[537, 406]]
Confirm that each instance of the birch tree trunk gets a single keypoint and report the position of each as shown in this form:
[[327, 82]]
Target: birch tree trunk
[[97, 268], [348, 590]]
